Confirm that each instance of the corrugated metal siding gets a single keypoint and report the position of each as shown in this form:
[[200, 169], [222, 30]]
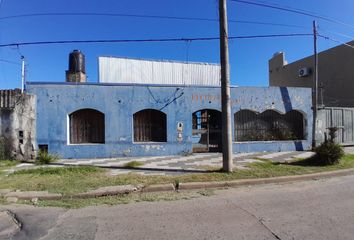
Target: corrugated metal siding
[[344, 119], [133, 71]]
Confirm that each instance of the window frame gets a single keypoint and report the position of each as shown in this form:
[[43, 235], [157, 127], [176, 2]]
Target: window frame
[[100, 120]]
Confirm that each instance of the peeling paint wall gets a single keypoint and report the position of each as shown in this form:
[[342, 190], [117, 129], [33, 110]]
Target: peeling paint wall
[[18, 124], [119, 102]]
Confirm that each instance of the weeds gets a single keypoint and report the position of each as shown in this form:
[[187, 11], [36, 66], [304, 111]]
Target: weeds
[[45, 158], [133, 164], [60, 171]]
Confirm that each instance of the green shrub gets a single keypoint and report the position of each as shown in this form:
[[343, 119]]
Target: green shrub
[[328, 153], [133, 164], [45, 158]]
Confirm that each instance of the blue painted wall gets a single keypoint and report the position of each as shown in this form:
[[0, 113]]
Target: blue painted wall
[[55, 101]]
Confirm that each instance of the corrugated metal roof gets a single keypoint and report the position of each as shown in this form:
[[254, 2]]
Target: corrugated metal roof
[[139, 71]]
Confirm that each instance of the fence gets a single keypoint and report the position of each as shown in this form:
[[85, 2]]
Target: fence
[[342, 118], [268, 126]]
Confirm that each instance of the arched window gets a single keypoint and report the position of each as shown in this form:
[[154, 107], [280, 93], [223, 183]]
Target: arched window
[[87, 126], [268, 126], [150, 126]]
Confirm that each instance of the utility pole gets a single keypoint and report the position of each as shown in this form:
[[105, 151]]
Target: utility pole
[[225, 90], [23, 77], [315, 86]]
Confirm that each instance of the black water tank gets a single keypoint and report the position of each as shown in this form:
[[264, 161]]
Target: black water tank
[[76, 62]]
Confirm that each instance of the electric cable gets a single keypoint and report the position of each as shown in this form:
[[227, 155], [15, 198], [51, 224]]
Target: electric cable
[[151, 40], [148, 16], [297, 11], [336, 33], [335, 40], [7, 61]]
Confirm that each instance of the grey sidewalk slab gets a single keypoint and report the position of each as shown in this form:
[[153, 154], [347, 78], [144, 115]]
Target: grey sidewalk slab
[[173, 165]]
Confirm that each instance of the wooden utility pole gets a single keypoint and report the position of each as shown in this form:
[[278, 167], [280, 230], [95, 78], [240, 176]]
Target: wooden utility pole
[[315, 86], [225, 90]]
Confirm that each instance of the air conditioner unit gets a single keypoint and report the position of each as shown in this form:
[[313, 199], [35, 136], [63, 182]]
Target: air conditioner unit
[[304, 72]]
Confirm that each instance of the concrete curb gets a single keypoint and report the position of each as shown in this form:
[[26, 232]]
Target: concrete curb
[[127, 189], [107, 191], [201, 185], [40, 195], [3, 192], [258, 181], [159, 188]]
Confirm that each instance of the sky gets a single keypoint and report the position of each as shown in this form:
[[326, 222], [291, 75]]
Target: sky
[[248, 57]]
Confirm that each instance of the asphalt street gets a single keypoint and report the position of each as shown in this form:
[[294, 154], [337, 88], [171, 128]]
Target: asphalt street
[[318, 209]]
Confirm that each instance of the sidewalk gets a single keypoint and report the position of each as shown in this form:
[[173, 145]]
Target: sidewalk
[[174, 165]]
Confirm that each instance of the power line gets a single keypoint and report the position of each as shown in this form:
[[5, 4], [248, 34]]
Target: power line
[[336, 40], [267, 23], [151, 40], [11, 62], [148, 16], [336, 33], [292, 10]]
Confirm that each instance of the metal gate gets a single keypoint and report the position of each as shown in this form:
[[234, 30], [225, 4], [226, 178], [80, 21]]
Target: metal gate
[[206, 131], [343, 119]]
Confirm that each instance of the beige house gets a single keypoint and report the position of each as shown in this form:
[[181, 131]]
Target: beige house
[[335, 75]]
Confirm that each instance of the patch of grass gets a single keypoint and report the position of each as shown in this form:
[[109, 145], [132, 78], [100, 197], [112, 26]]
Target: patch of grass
[[71, 180], [65, 180], [133, 164], [210, 168], [119, 199], [261, 159], [61, 171], [3, 201], [6, 164]]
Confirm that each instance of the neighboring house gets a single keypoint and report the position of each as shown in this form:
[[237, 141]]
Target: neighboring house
[[335, 75], [17, 125], [335, 87]]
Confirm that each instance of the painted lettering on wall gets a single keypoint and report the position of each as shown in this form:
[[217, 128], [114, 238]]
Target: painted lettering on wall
[[211, 98]]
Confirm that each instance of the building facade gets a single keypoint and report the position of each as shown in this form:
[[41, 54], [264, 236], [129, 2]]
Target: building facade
[[86, 120]]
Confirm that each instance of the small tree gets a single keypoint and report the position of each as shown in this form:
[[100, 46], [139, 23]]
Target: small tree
[[329, 152]]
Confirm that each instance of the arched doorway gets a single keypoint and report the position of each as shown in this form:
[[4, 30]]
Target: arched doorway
[[206, 131]]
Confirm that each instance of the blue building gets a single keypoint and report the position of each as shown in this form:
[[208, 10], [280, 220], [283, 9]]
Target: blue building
[[132, 118]]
